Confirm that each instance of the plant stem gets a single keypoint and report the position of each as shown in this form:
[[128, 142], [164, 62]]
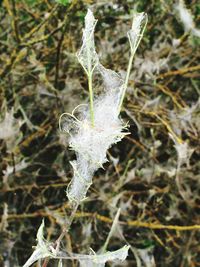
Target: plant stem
[[89, 75], [91, 98], [134, 47], [126, 81], [64, 231]]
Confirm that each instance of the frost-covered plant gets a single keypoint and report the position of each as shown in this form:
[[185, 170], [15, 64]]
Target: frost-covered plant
[[134, 35], [42, 249], [9, 129], [87, 55], [184, 153], [45, 249], [98, 126], [184, 120], [22, 164]]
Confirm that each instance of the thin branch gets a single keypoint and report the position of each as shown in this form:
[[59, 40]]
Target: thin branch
[[135, 223], [15, 21], [179, 72], [58, 50]]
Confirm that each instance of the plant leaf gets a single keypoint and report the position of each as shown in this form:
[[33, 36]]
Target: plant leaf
[[87, 55], [100, 260], [41, 250], [137, 30]]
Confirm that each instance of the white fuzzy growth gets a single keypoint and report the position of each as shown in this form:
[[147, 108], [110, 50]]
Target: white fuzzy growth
[[45, 250], [87, 55], [100, 260], [183, 151], [136, 32], [196, 32], [81, 180], [41, 251], [8, 127], [186, 18], [147, 257], [92, 143], [11, 169], [90, 263], [112, 80], [185, 119], [18, 167]]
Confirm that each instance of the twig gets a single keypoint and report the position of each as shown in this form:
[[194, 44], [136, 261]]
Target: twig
[[163, 227], [165, 90], [60, 42], [58, 50], [179, 72], [15, 21], [135, 223], [56, 245]]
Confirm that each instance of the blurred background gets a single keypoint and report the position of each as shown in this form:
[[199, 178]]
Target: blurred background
[[152, 175]]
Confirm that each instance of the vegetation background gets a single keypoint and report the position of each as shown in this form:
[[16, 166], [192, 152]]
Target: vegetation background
[[40, 78]]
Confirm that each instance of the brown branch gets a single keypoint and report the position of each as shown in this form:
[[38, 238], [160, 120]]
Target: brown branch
[[135, 223], [60, 42], [58, 51], [163, 227], [166, 91], [179, 72]]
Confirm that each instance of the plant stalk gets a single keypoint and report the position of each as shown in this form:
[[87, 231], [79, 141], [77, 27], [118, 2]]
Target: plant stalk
[[126, 81], [64, 231], [91, 98]]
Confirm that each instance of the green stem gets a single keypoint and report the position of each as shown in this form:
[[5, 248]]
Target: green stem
[[91, 98], [89, 75], [126, 81], [133, 50]]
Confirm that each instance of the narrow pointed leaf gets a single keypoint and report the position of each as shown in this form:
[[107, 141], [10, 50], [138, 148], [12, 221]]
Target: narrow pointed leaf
[[87, 55]]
